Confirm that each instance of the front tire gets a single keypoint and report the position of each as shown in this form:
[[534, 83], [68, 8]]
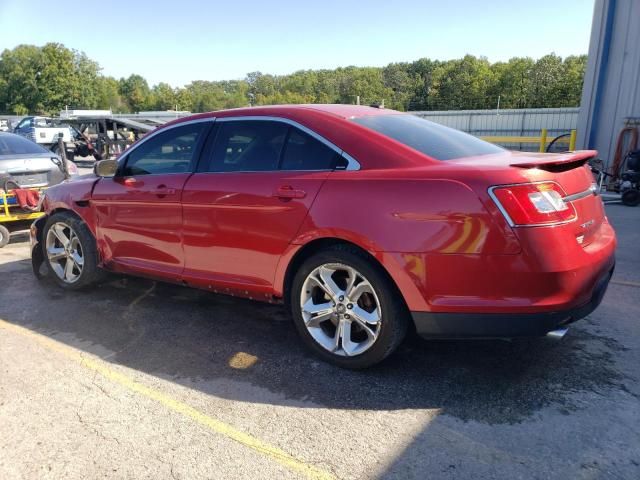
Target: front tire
[[69, 250], [346, 308], [5, 236]]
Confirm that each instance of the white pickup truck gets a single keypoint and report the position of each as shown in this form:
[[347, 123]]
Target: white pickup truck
[[42, 130]]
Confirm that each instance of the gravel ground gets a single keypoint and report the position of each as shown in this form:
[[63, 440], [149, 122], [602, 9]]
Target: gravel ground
[[138, 379]]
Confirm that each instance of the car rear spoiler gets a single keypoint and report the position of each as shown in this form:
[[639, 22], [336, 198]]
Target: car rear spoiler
[[555, 162]]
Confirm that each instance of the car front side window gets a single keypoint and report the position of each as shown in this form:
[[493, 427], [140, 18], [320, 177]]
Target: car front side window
[[173, 151], [26, 123]]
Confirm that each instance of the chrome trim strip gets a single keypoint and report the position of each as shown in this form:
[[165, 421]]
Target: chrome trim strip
[[499, 205], [592, 190], [352, 163]]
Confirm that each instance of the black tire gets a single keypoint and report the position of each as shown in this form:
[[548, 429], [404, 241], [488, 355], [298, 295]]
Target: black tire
[[5, 236], [68, 155], [394, 314], [631, 198], [90, 273]]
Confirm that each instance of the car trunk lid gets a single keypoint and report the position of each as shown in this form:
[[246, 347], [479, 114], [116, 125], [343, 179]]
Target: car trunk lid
[[31, 170], [569, 170]]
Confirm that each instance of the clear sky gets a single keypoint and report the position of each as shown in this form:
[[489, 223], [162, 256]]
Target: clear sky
[[178, 41]]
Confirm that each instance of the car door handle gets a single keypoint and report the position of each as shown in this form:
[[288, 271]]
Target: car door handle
[[163, 191], [287, 192]]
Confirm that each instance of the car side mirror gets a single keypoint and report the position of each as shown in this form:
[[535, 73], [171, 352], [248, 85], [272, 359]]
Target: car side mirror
[[106, 168]]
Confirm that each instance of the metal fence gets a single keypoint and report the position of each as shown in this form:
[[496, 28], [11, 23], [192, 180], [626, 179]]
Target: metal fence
[[516, 122], [526, 122]]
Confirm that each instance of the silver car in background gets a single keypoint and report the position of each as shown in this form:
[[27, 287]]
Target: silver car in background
[[28, 164]]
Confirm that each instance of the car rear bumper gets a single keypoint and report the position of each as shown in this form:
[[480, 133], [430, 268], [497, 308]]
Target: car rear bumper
[[505, 325]]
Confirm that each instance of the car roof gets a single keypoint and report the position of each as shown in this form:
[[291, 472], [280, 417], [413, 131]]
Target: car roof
[[336, 110], [345, 111], [332, 122]]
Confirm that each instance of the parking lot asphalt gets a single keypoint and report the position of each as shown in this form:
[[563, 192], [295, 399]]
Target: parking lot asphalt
[[139, 379]]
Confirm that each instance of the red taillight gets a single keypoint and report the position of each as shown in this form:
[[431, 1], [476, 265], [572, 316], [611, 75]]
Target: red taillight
[[530, 204]]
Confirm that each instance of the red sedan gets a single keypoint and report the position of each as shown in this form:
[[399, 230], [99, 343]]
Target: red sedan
[[367, 222]]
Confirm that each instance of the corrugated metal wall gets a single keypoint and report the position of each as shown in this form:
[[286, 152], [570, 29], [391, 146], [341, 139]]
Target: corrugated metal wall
[[611, 94]]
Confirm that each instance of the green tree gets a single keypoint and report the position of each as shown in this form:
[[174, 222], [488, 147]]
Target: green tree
[[163, 97], [87, 85], [58, 82], [398, 78], [136, 93], [365, 82], [20, 71], [574, 67], [46, 79], [108, 95], [422, 70], [513, 82], [547, 78], [463, 84]]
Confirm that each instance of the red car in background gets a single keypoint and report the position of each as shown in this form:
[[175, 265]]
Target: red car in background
[[366, 222]]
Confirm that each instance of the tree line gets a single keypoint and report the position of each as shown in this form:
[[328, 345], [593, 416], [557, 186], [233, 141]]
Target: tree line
[[44, 80]]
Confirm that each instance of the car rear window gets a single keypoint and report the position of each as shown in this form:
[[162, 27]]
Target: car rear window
[[16, 145], [432, 139]]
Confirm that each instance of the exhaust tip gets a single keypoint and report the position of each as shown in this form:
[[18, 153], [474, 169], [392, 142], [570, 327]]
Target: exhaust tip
[[557, 334]]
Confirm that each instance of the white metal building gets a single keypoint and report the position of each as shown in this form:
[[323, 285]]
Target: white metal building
[[611, 93]]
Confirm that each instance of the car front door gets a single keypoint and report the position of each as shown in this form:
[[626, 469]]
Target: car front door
[[138, 212], [255, 184]]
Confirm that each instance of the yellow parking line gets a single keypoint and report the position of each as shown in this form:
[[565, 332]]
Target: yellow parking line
[[626, 283], [211, 423]]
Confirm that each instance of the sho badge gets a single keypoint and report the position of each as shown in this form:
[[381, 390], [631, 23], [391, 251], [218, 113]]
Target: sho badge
[[587, 224]]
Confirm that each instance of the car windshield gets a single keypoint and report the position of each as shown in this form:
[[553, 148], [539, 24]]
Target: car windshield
[[15, 145], [432, 139]]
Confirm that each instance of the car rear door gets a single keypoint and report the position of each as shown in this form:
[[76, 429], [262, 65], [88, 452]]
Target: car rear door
[[254, 187], [139, 215]]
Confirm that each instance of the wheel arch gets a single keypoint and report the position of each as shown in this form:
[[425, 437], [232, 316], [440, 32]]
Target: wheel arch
[[318, 244], [73, 213]]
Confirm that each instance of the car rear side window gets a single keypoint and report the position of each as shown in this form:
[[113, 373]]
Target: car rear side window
[[172, 151], [246, 146], [432, 139], [15, 145], [303, 152]]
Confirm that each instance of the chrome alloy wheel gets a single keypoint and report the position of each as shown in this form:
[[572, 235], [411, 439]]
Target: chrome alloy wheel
[[340, 309], [64, 252]]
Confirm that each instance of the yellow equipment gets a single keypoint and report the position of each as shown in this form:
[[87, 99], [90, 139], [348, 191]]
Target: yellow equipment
[[10, 211]]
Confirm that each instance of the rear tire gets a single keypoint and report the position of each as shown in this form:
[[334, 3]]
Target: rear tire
[[5, 236], [631, 198], [346, 308], [69, 251]]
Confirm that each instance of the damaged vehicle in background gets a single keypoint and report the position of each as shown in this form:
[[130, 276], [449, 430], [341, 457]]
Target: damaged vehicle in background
[[29, 165], [25, 165], [368, 223]]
